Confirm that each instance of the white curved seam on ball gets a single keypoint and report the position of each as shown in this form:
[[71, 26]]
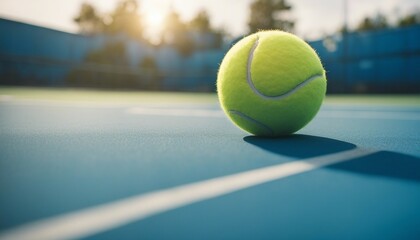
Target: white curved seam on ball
[[284, 95], [242, 115]]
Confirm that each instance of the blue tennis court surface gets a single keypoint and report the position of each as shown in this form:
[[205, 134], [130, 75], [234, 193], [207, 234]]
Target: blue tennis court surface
[[181, 170]]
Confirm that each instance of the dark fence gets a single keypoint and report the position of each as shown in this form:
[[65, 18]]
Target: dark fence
[[386, 61], [37, 56]]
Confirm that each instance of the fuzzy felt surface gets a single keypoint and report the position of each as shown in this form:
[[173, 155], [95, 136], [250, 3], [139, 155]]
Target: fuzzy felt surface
[[280, 63]]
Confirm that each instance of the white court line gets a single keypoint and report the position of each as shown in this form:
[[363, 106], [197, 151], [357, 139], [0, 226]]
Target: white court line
[[362, 114], [108, 216], [63, 103], [370, 114], [175, 112]]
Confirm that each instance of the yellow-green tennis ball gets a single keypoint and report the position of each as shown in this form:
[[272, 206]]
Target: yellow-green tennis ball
[[271, 83]]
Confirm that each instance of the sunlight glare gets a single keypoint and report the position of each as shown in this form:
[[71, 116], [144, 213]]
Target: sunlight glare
[[154, 23]]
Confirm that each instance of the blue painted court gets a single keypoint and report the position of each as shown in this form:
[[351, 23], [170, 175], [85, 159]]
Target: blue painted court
[[102, 165]]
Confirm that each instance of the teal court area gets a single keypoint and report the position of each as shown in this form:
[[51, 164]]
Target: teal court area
[[172, 166]]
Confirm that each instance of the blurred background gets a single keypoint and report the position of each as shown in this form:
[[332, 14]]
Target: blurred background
[[177, 45]]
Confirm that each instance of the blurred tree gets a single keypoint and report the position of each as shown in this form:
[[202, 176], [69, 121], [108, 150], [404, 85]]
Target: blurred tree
[[106, 67], [126, 19], [123, 19], [270, 14], [201, 22], [219, 37], [410, 19], [173, 25], [343, 29], [175, 33], [88, 20], [380, 21], [151, 71], [366, 24], [111, 53]]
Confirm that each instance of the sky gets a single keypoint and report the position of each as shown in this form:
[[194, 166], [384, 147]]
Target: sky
[[314, 18]]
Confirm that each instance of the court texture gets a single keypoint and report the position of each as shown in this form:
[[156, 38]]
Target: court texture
[[83, 164]]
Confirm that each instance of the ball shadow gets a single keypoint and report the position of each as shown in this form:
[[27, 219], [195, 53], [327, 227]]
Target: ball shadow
[[384, 164], [299, 145], [381, 164]]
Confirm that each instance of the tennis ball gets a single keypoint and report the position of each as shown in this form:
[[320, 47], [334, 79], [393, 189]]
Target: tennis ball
[[271, 83]]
